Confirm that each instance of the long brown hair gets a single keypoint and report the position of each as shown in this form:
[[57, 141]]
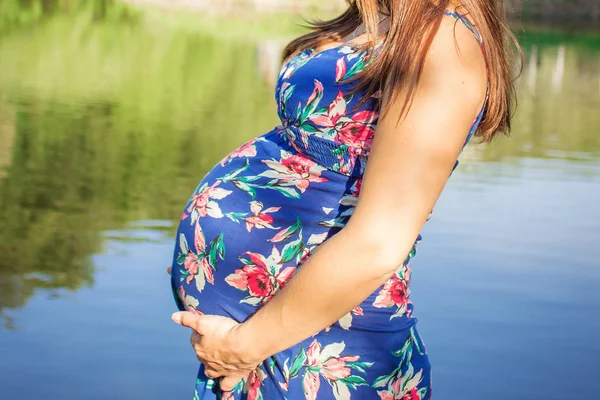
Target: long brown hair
[[401, 58]]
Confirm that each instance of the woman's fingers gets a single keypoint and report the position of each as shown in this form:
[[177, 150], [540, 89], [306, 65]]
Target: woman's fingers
[[228, 383], [211, 373], [195, 340], [169, 271]]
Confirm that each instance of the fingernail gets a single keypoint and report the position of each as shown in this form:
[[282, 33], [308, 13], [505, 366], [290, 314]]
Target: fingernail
[[176, 317]]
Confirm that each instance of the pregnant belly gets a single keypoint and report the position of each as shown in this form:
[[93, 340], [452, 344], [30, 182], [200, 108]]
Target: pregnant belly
[[251, 222]]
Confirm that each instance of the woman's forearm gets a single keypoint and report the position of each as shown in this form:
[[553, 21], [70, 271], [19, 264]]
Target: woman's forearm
[[343, 272]]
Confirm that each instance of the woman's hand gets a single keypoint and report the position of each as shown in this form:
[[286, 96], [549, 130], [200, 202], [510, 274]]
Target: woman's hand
[[227, 383], [213, 340]]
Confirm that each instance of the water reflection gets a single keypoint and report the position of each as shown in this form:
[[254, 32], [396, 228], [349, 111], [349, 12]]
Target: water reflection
[[104, 121], [109, 116]]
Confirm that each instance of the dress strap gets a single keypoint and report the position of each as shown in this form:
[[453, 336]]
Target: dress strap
[[462, 18]]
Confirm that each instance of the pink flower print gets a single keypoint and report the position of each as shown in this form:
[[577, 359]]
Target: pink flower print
[[395, 292], [253, 384], [298, 164], [409, 392], [356, 131], [246, 150], [340, 69], [325, 362], [356, 135], [203, 202], [315, 96], [412, 394], [294, 170], [260, 218], [196, 263], [401, 386], [312, 354], [259, 282], [311, 383], [260, 276], [394, 391], [227, 395], [305, 255], [335, 113], [334, 367], [386, 395]]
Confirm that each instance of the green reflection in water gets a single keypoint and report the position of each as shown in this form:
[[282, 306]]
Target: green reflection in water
[[558, 98], [106, 121], [110, 115]]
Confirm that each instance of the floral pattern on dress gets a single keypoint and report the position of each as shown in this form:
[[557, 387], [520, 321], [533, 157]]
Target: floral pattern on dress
[[200, 264], [293, 170], [395, 293], [203, 202], [262, 277], [405, 382], [326, 362]]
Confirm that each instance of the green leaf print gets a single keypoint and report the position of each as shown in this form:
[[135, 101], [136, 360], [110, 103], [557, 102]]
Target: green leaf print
[[217, 249], [287, 93], [357, 67], [340, 151], [315, 99], [272, 364], [244, 187], [360, 366], [291, 250], [416, 342], [383, 381], [406, 347], [286, 191], [287, 233], [299, 111], [322, 111], [298, 363], [236, 216], [230, 176], [410, 255], [354, 381], [309, 128]]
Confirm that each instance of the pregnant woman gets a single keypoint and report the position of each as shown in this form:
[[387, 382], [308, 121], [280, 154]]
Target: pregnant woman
[[291, 263]]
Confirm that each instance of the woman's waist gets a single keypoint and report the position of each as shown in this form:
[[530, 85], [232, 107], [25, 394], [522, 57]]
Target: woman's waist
[[343, 158]]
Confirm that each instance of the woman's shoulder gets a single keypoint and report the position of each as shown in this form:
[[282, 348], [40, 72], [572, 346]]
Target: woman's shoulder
[[456, 52]]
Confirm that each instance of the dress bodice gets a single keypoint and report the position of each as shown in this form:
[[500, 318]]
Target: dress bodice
[[320, 117], [318, 113]]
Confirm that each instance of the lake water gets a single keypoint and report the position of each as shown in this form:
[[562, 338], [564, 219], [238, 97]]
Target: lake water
[[108, 119]]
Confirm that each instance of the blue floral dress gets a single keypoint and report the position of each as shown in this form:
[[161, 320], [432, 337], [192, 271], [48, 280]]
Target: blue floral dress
[[259, 214]]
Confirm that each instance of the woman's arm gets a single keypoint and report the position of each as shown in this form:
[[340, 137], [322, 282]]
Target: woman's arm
[[408, 167]]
